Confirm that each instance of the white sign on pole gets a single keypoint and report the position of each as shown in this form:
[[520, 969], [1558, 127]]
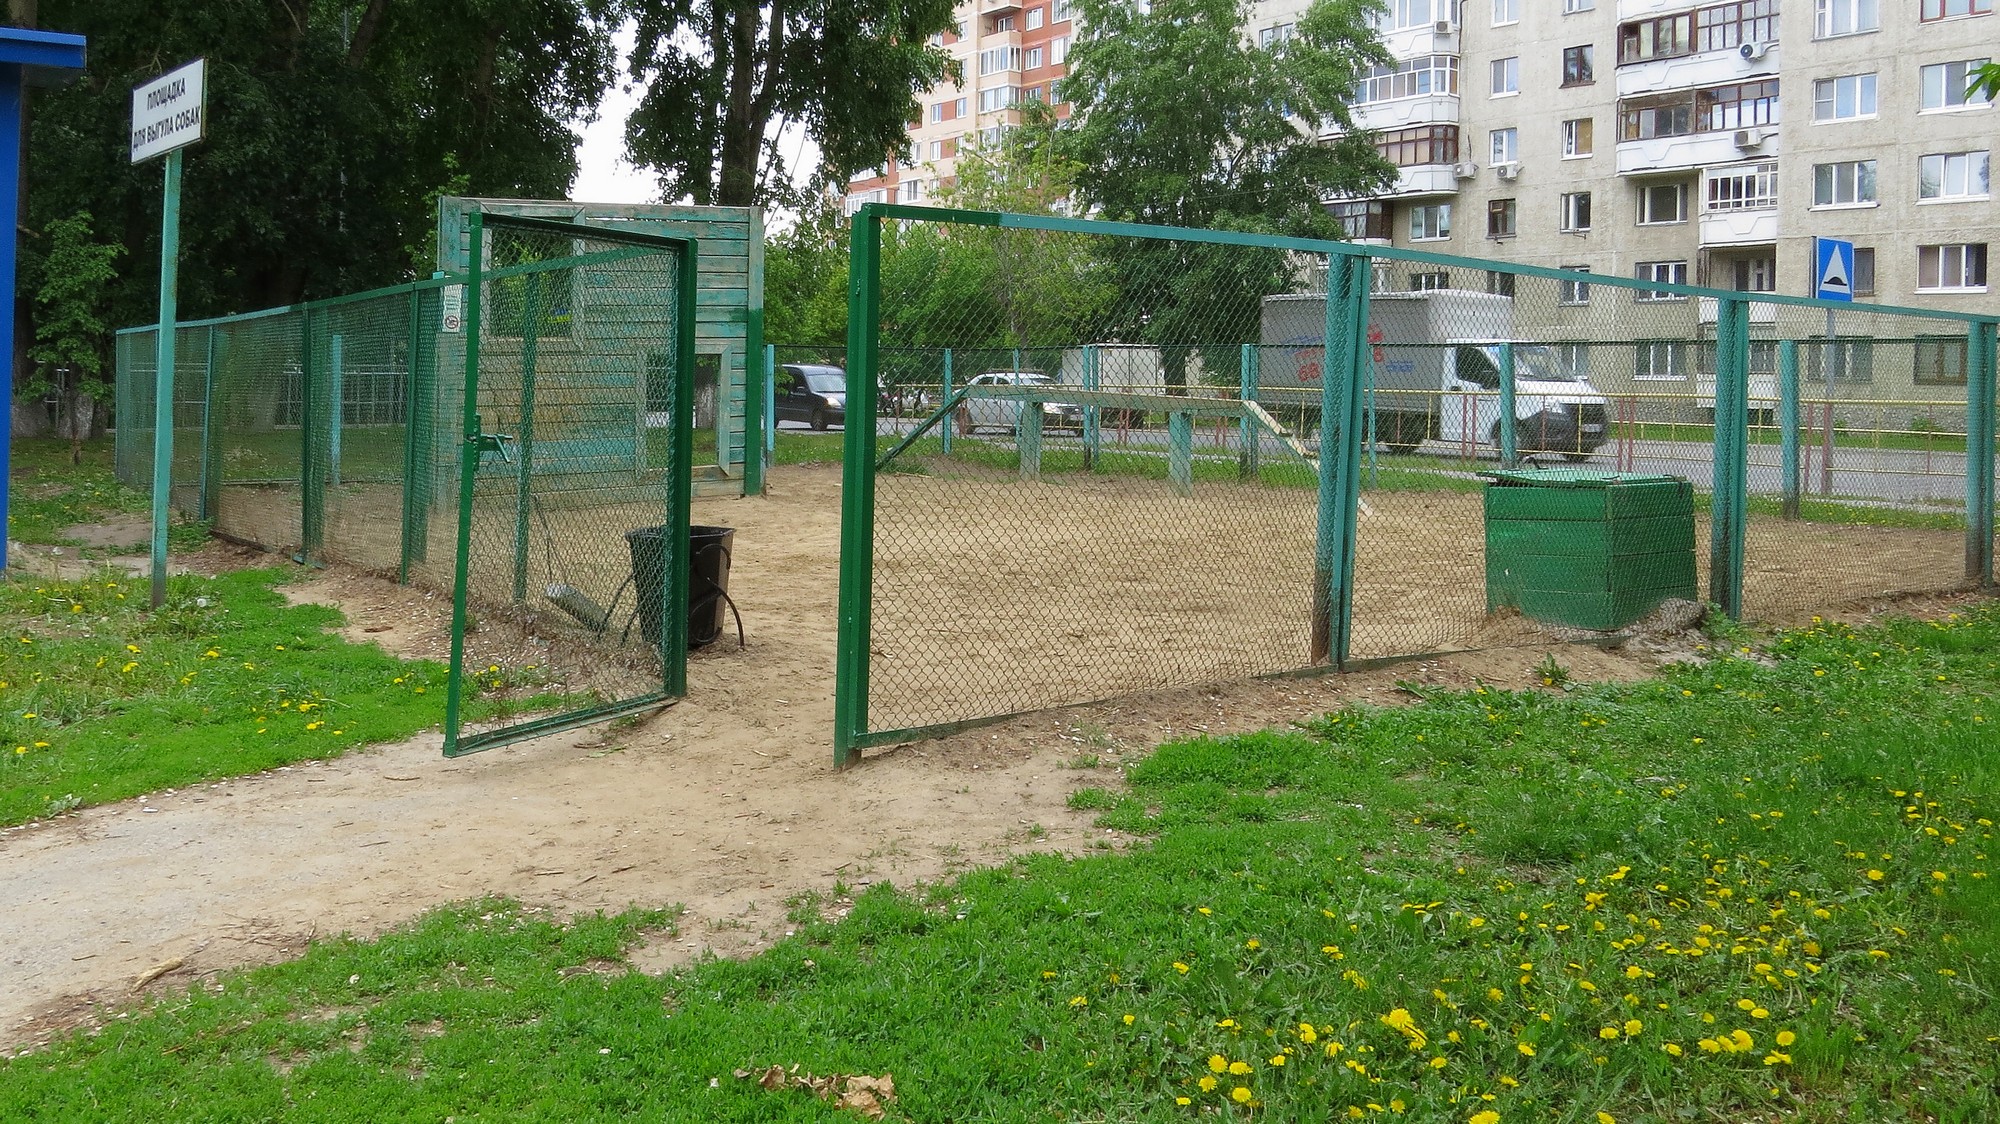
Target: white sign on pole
[[170, 112], [454, 303]]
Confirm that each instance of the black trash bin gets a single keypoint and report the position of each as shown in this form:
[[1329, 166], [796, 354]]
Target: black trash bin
[[708, 558]]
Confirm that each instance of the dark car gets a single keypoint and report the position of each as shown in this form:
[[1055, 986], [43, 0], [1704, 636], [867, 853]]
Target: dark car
[[812, 394]]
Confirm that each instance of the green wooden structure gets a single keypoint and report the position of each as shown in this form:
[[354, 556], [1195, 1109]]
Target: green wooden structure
[[729, 332], [1588, 549]]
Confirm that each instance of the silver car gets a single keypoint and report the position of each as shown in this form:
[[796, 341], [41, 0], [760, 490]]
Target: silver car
[[1004, 413]]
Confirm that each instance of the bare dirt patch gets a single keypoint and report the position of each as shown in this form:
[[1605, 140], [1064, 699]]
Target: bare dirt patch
[[726, 803]]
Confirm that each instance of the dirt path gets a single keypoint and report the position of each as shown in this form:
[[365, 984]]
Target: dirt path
[[727, 804]]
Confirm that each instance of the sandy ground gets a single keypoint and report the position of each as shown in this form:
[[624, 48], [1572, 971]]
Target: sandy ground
[[727, 804]]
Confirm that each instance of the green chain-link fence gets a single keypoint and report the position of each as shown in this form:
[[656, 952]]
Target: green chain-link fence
[[489, 433], [1100, 469]]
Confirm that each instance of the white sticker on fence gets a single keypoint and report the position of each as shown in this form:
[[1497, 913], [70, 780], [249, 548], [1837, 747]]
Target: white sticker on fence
[[454, 308]]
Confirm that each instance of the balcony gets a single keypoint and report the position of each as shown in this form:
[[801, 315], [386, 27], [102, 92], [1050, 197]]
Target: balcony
[[1696, 150], [1430, 109], [1413, 42], [1647, 9], [1747, 227], [1422, 181], [998, 7], [1710, 68]]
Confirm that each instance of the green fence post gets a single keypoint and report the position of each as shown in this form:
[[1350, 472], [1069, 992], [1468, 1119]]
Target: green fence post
[[468, 470], [1980, 348], [1510, 439], [336, 406], [1246, 390], [1028, 431], [1788, 425], [1729, 499], [1093, 415], [857, 515], [312, 467], [416, 478], [1342, 360], [768, 391], [1368, 404], [945, 426], [211, 454], [524, 433], [1180, 452], [754, 412], [680, 480]]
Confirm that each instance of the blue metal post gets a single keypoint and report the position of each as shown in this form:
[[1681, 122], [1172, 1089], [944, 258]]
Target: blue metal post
[[1246, 389], [770, 393], [1180, 452], [1788, 425], [944, 395], [1093, 416], [163, 402], [1510, 441]]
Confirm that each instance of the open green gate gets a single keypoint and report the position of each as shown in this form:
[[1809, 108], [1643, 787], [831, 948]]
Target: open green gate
[[569, 593]]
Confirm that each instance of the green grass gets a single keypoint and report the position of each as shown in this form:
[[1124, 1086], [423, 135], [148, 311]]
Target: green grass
[[103, 699], [1544, 905], [49, 495]]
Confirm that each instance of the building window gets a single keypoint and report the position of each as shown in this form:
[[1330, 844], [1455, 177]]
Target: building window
[[1505, 146], [1364, 218], [1740, 105], [1034, 18], [1940, 361], [1501, 215], [1850, 183], [1843, 359], [1953, 175], [1403, 14], [1575, 212], [1059, 11], [1952, 9], [1578, 65], [1743, 189], [1430, 223], [1033, 59], [1575, 357], [909, 191], [959, 108], [1719, 27], [1863, 280], [1944, 85], [1664, 272], [1275, 37], [1844, 17], [997, 59], [1425, 144], [1660, 359], [1754, 275], [1573, 290], [1662, 203], [1059, 50], [1507, 76], [937, 111], [1845, 97], [1577, 137], [999, 97], [1499, 282], [1003, 23], [1572, 7], [1428, 282], [937, 150], [1506, 11], [1957, 267], [1411, 78]]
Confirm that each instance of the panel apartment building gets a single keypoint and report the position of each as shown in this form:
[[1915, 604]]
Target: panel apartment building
[[1703, 143]]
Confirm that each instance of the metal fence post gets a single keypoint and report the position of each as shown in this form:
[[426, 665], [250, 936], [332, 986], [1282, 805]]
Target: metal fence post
[[857, 515], [211, 454], [1510, 446], [524, 433], [1729, 499], [312, 467], [1093, 417], [1246, 459], [1028, 439], [1180, 452], [768, 391], [1980, 348], [1339, 457], [336, 407], [1788, 424], [945, 425], [468, 469]]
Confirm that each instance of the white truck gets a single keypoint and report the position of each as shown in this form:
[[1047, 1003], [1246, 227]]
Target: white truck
[[1436, 359]]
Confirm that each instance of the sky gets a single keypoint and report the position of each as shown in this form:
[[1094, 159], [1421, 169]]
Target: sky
[[602, 174]]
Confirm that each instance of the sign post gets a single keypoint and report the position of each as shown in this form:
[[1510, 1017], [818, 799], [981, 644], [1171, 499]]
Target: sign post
[[1833, 280], [168, 114]]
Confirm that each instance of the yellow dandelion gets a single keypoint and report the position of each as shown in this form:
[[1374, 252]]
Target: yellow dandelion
[[1206, 1084], [1633, 1027], [1484, 1116], [1527, 1048], [1238, 1069], [1240, 1095], [1673, 1049], [1217, 1063]]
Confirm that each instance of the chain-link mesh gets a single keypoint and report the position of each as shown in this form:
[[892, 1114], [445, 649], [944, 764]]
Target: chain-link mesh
[[571, 530], [1083, 502]]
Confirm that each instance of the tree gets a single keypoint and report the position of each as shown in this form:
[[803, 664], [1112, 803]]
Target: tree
[[72, 348], [1180, 120], [805, 279], [1986, 81], [722, 75]]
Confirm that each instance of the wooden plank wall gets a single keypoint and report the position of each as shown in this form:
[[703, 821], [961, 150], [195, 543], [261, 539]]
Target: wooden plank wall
[[730, 297]]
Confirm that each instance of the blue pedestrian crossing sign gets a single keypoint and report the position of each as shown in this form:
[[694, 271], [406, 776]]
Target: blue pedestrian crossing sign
[[1833, 269]]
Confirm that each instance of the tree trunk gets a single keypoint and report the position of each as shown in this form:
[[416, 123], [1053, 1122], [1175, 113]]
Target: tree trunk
[[741, 131]]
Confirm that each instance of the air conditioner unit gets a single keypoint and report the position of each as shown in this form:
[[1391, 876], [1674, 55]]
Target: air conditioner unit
[[1747, 139], [1465, 171], [1507, 171], [1751, 52], [1442, 27]]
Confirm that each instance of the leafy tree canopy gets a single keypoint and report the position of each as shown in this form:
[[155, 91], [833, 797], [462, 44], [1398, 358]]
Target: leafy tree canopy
[[721, 75]]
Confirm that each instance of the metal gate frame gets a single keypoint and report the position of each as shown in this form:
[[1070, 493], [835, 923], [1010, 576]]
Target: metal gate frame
[[677, 492]]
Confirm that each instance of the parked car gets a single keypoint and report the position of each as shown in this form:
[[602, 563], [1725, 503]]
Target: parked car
[[812, 394], [1000, 413]]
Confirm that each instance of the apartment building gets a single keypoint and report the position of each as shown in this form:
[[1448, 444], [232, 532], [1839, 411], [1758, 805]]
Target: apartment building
[[1010, 53]]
